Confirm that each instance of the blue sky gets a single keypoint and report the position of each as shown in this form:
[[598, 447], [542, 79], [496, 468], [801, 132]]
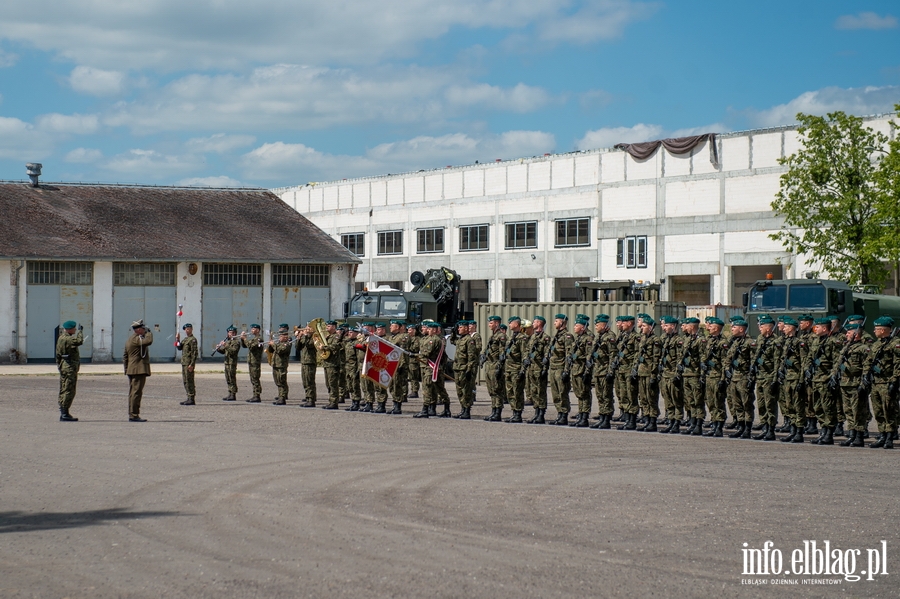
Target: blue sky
[[275, 93]]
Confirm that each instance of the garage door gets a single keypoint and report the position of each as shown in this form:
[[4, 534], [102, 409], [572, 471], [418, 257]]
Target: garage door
[[57, 292], [232, 295], [145, 291]]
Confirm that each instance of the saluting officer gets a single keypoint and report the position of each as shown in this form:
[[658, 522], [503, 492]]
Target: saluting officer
[[68, 362], [189, 352]]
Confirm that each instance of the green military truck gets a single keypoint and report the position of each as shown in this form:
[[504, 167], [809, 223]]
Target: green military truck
[[435, 296], [818, 298]]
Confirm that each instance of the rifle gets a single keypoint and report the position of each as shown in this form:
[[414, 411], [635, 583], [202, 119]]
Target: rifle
[[679, 370], [588, 376], [817, 359], [869, 378], [834, 381], [728, 373], [781, 374]]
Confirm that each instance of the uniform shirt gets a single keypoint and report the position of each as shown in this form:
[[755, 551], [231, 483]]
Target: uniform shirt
[[627, 349], [461, 358], [649, 353], [602, 352], [766, 357], [189, 350], [333, 345], [306, 347], [713, 350], [254, 345], [401, 340], [851, 361], [67, 349], [495, 346], [740, 356], [883, 361], [281, 355], [794, 353], [230, 348], [535, 350], [821, 358], [136, 358], [670, 353], [584, 344], [561, 348]]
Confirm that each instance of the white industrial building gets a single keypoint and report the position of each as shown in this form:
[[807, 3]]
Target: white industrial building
[[525, 230]]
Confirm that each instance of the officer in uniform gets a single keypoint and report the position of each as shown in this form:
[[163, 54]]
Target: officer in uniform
[[254, 343], [737, 375], [334, 346], [351, 369], [626, 386], [512, 367], [536, 361], [690, 373], [670, 384], [559, 354], [230, 347], [400, 381], [794, 353], [581, 385], [281, 350], [847, 372], [477, 344], [309, 360], [496, 345], [136, 360], [68, 362], [463, 364], [822, 354], [602, 352], [431, 356], [768, 348], [647, 369], [415, 371], [714, 348], [189, 353], [882, 368]]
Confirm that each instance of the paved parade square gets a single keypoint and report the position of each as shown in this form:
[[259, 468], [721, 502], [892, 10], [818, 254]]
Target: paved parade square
[[255, 500]]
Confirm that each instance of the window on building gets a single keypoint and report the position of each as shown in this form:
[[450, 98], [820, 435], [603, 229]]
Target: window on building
[[232, 275], [521, 235], [431, 241], [473, 238], [390, 242], [300, 275], [142, 274], [60, 273], [631, 252], [355, 242], [573, 232]]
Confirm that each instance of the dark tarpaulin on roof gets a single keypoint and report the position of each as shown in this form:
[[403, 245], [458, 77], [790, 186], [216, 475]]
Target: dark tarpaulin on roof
[[675, 145]]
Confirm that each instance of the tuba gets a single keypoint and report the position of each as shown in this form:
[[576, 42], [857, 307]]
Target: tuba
[[317, 328]]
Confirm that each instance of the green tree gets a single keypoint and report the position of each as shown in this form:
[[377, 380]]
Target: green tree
[[888, 182], [830, 200]]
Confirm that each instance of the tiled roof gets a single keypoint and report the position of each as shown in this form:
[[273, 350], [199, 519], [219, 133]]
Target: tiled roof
[[114, 222]]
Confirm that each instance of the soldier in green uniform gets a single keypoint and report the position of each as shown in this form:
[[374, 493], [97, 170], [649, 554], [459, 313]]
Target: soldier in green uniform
[[309, 360], [189, 353], [882, 373], [670, 384], [729, 395], [332, 364], [493, 369], [230, 347], [581, 385], [794, 353], [431, 356], [136, 360], [847, 373], [626, 386], [367, 386], [737, 376], [68, 362], [602, 351], [535, 361], [768, 349], [254, 343], [461, 365], [805, 332], [351, 368], [415, 371], [477, 344], [281, 356], [512, 366], [822, 354], [647, 369], [713, 350], [689, 368], [400, 382], [560, 352]]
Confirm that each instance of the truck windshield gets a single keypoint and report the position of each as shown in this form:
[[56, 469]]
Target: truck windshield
[[364, 305], [768, 297], [393, 306], [807, 297]]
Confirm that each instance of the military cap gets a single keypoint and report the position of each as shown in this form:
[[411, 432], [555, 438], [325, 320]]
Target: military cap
[[643, 315], [70, 324], [410, 325], [541, 318], [231, 328], [788, 321], [380, 325], [187, 326], [715, 320], [343, 325], [765, 319], [739, 323], [462, 323], [503, 327], [561, 316], [512, 318], [707, 319], [852, 326], [425, 323], [601, 318], [495, 318], [398, 321], [649, 320], [255, 326], [582, 321], [690, 320], [823, 321], [834, 317], [806, 318], [581, 316], [736, 317], [371, 323], [668, 319], [624, 318], [854, 317], [138, 324], [884, 321]]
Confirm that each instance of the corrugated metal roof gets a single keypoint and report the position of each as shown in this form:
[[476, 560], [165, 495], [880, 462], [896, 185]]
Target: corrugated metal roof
[[113, 222]]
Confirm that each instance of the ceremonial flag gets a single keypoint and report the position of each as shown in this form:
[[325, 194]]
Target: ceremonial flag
[[381, 360]]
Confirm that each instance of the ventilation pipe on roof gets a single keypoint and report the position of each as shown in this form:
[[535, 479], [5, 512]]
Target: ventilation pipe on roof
[[34, 171]]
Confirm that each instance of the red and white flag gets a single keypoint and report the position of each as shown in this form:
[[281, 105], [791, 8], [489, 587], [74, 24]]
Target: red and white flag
[[381, 361]]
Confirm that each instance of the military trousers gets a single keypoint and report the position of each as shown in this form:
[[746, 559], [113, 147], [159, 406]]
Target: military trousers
[[280, 377], [415, 377], [604, 388], [255, 369], [856, 407], [884, 407], [793, 397], [582, 391], [648, 395], [515, 387], [308, 378], [536, 386], [496, 386], [742, 399], [231, 376], [464, 387], [824, 404], [767, 401], [187, 377], [559, 389], [673, 400], [135, 393], [715, 398], [333, 382], [693, 397], [68, 380], [400, 384], [353, 387], [626, 393]]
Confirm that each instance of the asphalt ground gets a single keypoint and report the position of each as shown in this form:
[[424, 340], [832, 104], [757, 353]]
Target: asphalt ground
[[255, 500]]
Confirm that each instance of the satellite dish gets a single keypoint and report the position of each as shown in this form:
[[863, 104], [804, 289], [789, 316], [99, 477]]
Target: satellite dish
[[417, 278]]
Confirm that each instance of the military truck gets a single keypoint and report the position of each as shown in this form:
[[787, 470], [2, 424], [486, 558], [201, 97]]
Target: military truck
[[435, 296], [818, 298]]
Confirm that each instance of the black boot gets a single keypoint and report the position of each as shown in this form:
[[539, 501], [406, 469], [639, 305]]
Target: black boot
[[839, 430], [279, 402], [811, 427], [748, 429], [689, 427], [790, 437], [651, 425], [254, 399], [762, 435], [738, 432], [379, 409], [828, 437], [583, 420], [770, 433], [669, 428], [758, 427], [879, 442], [626, 423], [732, 425], [446, 413], [621, 417], [354, 406], [413, 395], [849, 440], [64, 416], [432, 410], [398, 409], [698, 427], [713, 429], [516, 417], [466, 414], [534, 417], [230, 397], [366, 407], [676, 427], [423, 414], [190, 402], [562, 419], [718, 431], [888, 441], [859, 441], [495, 415], [798, 437]]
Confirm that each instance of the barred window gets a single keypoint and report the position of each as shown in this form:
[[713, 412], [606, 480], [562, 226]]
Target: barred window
[[631, 252], [390, 242], [229, 275], [300, 275], [143, 274], [431, 241], [60, 273], [473, 238], [573, 232], [355, 242], [521, 235]]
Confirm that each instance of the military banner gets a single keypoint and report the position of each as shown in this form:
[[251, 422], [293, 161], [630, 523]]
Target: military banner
[[381, 361]]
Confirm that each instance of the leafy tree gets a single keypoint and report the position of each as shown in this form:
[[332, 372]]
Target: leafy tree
[[830, 200], [888, 182]]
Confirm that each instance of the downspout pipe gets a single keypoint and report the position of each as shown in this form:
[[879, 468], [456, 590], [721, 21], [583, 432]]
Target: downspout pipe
[[14, 354]]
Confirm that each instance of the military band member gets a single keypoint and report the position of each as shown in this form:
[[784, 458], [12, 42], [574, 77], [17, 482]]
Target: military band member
[[68, 362], [136, 360], [189, 353], [737, 374], [309, 360], [647, 369], [254, 343], [415, 371], [603, 350], [626, 386], [536, 362], [714, 350], [882, 368], [367, 386], [281, 356], [493, 368], [670, 383], [581, 387], [765, 368], [400, 382], [560, 353], [351, 367], [230, 347], [334, 347]]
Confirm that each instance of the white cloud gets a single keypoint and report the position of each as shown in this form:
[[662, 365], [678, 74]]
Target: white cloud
[[594, 21], [280, 160], [866, 20], [607, 137], [221, 181], [78, 124], [151, 165], [83, 156], [859, 101], [7, 59], [521, 98], [219, 143], [97, 82], [22, 141]]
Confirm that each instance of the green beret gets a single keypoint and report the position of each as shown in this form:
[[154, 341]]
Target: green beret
[[410, 325], [788, 321], [625, 318], [284, 325], [380, 325], [70, 324], [834, 317], [512, 318], [232, 328], [255, 326], [462, 323], [503, 327], [541, 318], [334, 322], [853, 317], [806, 318], [765, 319], [643, 315], [715, 320], [561, 317], [187, 326], [601, 318], [668, 319], [582, 321], [823, 321], [495, 318], [398, 321], [852, 326], [282, 329], [581, 316], [371, 323], [691, 320], [884, 321], [343, 325], [649, 320], [739, 323]]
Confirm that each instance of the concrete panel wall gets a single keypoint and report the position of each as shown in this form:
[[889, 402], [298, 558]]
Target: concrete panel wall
[[345, 197], [746, 242], [635, 170], [612, 167], [103, 312], [692, 198], [495, 181], [315, 199], [562, 173], [735, 154], [766, 149], [517, 178], [414, 190], [587, 170], [378, 194], [700, 162], [434, 188], [473, 183], [394, 192], [751, 194], [8, 328], [692, 248], [539, 176], [676, 165], [453, 185], [330, 197], [629, 203], [360, 196]]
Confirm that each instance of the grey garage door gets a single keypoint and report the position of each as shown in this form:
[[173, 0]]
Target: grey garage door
[[232, 295], [145, 291], [300, 292], [57, 292]]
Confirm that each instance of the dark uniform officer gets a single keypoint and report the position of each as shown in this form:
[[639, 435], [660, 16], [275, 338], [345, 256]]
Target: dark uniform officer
[[230, 346], [848, 370], [254, 344], [189, 353], [68, 362], [136, 360]]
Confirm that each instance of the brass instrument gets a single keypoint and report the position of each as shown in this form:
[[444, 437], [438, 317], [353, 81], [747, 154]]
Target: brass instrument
[[270, 349], [318, 332]]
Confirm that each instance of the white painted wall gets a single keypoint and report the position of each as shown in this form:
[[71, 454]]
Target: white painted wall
[[103, 312]]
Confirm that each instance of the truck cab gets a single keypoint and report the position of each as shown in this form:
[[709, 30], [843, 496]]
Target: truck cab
[[386, 304]]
